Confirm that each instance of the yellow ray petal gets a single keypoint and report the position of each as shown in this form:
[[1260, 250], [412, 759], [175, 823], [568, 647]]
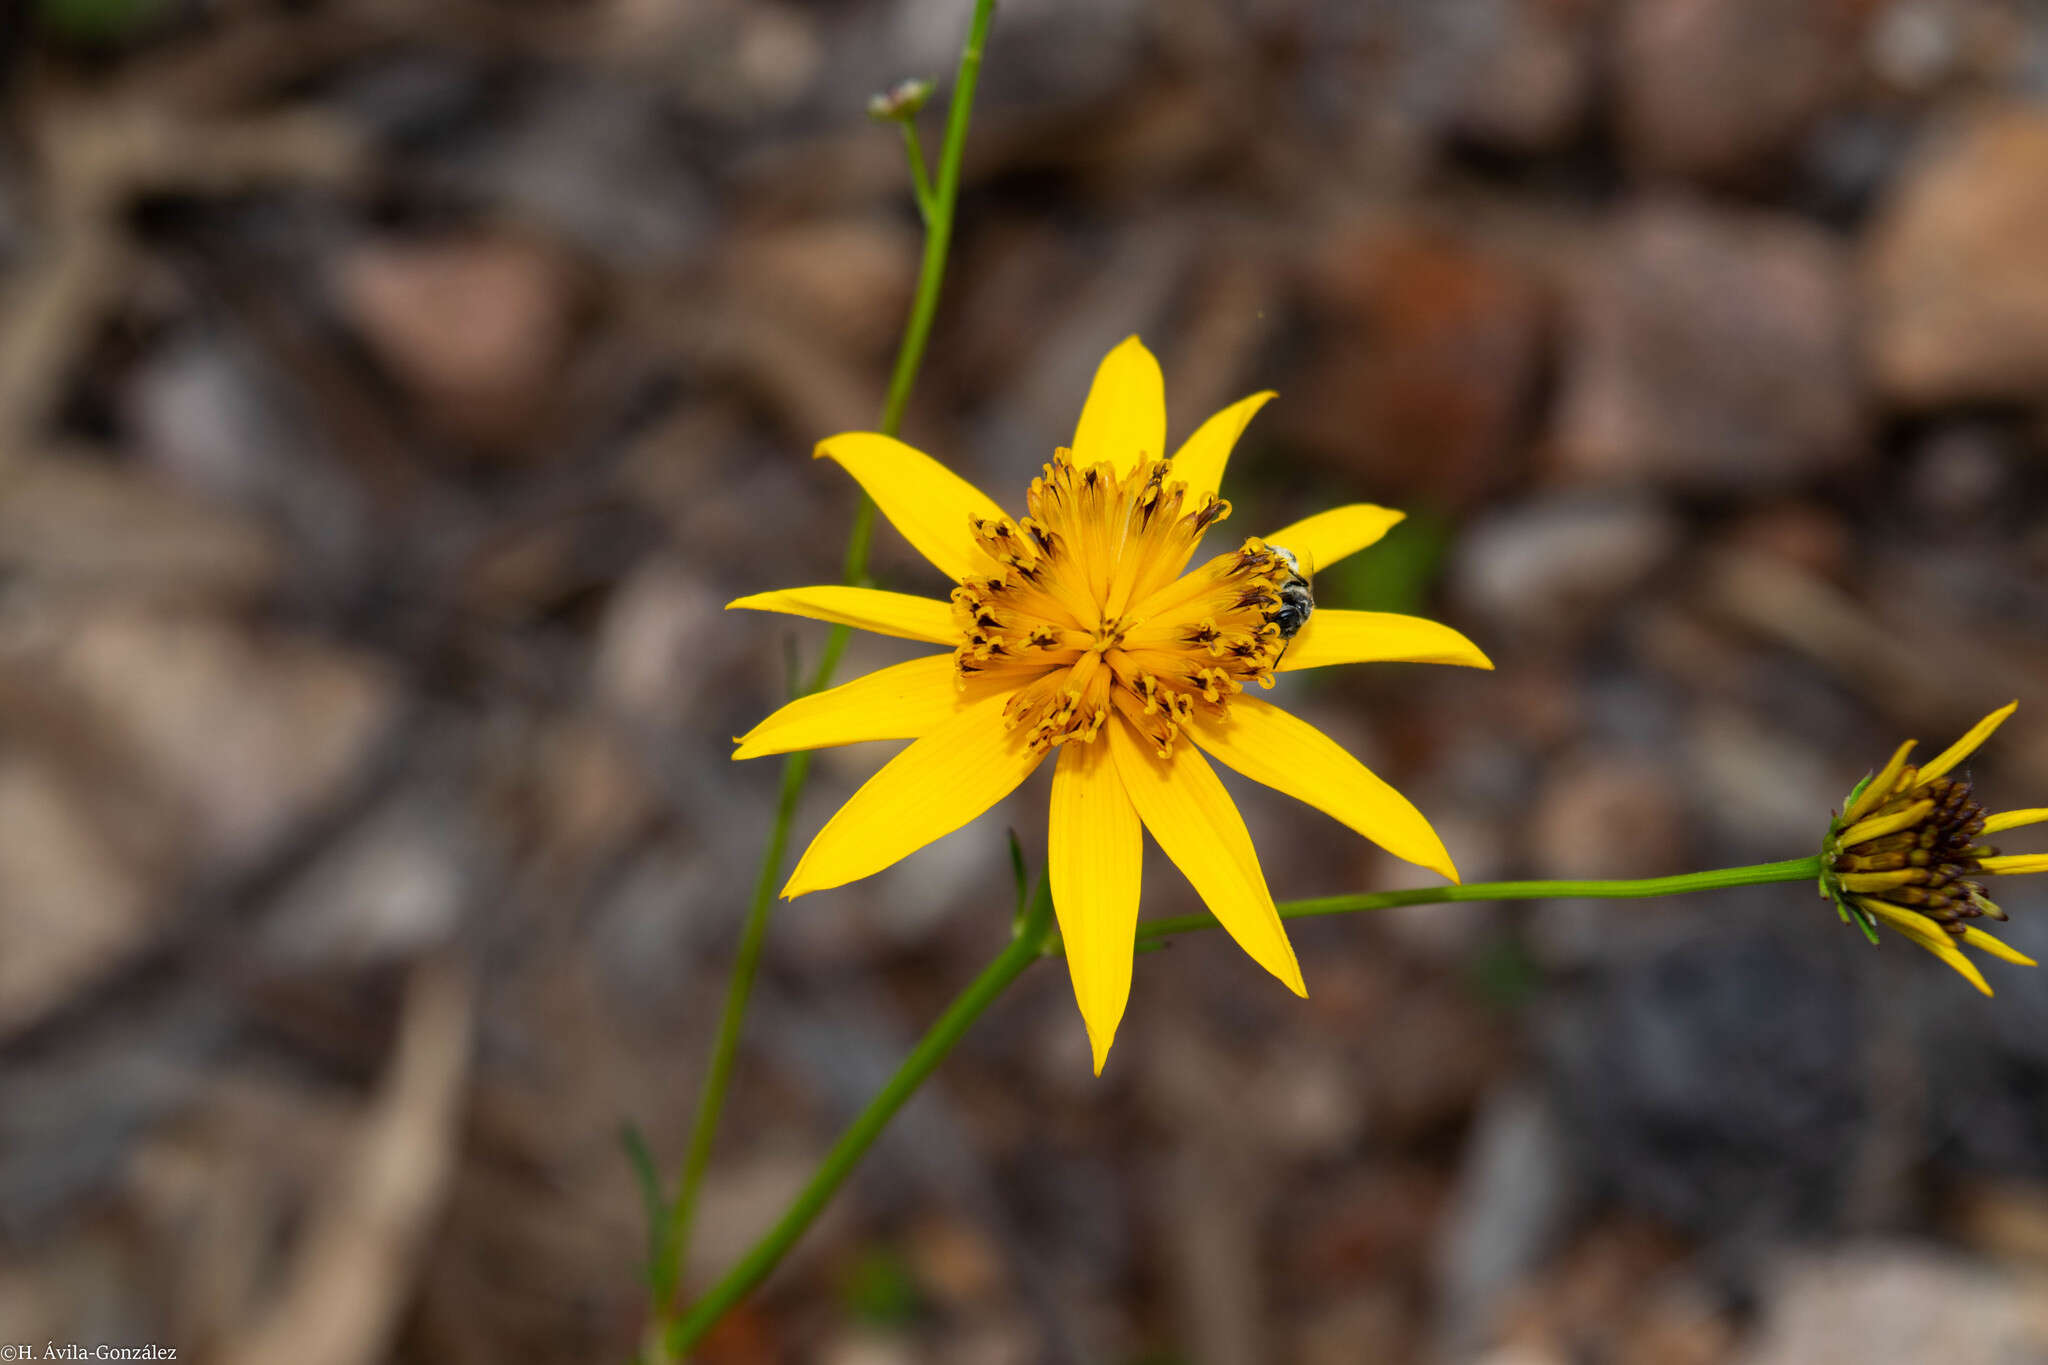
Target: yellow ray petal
[[1962, 965], [1094, 852], [1923, 932], [884, 613], [1997, 947], [1878, 788], [1193, 821], [1201, 458], [929, 790], [1877, 826], [1874, 882], [2013, 819], [926, 501], [2012, 864], [1967, 745], [1125, 415], [906, 701], [1289, 755], [1323, 539], [1372, 637]]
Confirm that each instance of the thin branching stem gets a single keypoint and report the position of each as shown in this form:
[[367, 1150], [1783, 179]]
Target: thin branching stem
[[1035, 938], [1756, 874], [936, 201]]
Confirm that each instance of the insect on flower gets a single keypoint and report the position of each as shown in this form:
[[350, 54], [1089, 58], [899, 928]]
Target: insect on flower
[[1905, 851], [1078, 630], [1296, 601]]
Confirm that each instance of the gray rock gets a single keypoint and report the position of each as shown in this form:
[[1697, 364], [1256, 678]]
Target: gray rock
[[1720, 89], [1516, 1187], [1552, 562], [1885, 1304], [1717, 1083], [1710, 351]]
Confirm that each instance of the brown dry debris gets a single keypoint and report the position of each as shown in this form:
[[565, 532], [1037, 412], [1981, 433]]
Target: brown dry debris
[[392, 395]]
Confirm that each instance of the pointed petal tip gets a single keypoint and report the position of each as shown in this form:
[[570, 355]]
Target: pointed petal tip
[[1957, 752]]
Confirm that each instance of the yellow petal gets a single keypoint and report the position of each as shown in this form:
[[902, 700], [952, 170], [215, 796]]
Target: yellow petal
[[1201, 458], [1873, 882], [884, 613], [929, 790], [1962, 965], [1289, 755], [2012, 864], [1193, 821], [2013, 819], [927, 502], [1323, 539], [1094, 851], [1878, 788], [1967, 745], [1372, 637], [906, 701], [1977, 938], [1878, 826], [1923, 932], [1124, 418]]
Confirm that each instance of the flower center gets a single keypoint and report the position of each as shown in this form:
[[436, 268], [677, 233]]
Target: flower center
[[1090, 613], [1928, 865]]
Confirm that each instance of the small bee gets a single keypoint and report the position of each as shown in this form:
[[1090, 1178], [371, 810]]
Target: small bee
[[1296, 602]]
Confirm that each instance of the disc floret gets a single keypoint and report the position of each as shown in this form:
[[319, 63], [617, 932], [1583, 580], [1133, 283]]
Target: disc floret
[[1090, 614]]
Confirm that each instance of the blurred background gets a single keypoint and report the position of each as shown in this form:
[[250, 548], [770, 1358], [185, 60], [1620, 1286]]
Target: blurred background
[[391, 395]]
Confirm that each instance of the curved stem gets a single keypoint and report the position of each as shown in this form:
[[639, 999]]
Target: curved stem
[[935, 205], [1755, 874], [1026, 946], [1035, 938]]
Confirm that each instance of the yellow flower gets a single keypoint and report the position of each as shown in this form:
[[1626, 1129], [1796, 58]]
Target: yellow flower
[[1074, 629], [1904, 851]]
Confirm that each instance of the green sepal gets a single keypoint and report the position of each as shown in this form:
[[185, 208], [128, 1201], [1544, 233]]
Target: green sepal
[[1856, 791], [1019, 874]]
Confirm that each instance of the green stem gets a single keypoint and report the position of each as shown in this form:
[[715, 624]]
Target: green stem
[[920, 179], [936, 202], [1756, 874], [1026, 946], [1035, 937], [746, 962], [939, 227]]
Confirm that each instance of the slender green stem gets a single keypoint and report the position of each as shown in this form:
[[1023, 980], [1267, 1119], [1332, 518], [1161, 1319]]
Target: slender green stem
[[920, 179], [746, 962], [1756, 874], [936, 200], [1036, 937], [939, 227], [1026, 946]]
